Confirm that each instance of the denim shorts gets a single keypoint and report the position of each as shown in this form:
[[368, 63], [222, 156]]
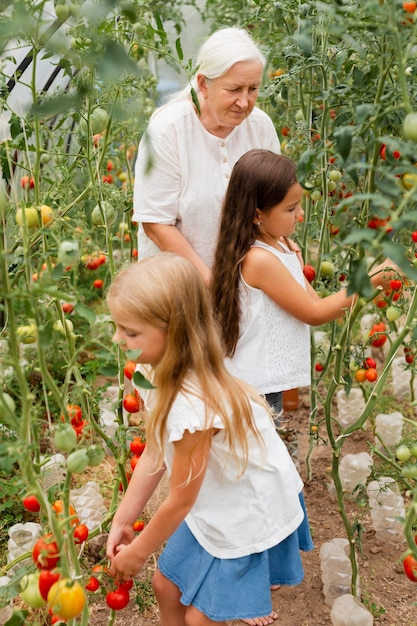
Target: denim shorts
[[227, 589]]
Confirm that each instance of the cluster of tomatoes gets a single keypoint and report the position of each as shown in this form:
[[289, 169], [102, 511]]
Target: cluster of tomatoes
[[77, 422], [367, 372], [132, 402]]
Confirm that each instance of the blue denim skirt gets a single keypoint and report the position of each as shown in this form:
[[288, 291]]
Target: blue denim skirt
[[227, 589]]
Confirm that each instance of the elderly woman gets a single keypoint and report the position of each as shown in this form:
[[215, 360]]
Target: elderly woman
[[188, 152]]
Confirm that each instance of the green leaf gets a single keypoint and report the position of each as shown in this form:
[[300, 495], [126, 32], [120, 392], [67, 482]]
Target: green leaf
[[344, 141], [140, 380], [85, 312], [18, 618], [179, 49], [359, 280]]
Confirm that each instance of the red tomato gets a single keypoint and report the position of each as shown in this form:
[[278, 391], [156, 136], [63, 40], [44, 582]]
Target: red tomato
[[31, 503], [109, 165], [27, 182], [371, 374], [410, 567], [117, 599], [409, 7], [370, 362], [137, 446], [396, 284], [45, 553], [309, 272], [378, 330], [75, 413], [318, 367], [108, 178], [131, 403], [67, 307], [46, 580], [133, 461], [98, 283], [129, 369], [383, 151], [138, 525], [414, 236], [409, 357], [285, 131], [93, 584], [80, 533], [124, 584]]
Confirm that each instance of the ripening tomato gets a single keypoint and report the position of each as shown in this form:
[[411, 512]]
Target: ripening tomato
[[98, 283], [45, 553], [59, 508], [66, 598], [75, 414], [46, 580], [131, 403], [371, 374], [117, 599], [80, 533], [129, 369], [360, 375], [31, 503], [410, 567], [139, 525]]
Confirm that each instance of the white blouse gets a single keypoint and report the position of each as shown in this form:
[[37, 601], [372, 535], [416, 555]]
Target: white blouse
[[182, 172]]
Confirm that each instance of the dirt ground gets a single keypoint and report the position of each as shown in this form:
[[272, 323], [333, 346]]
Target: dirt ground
[[384, 588]]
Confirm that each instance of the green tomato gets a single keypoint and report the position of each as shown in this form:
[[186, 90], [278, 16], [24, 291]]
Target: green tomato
[[103, 215], [335, 175], [409, 470], [59, 327], [393, 313], [95, 455], [77, 461], [27, 334], [30, 593], [98, 120], [65, 437], [403, 453], [413, 449], [68, 253], [62, 12], [28, 215], [410, 126], [327, 269]]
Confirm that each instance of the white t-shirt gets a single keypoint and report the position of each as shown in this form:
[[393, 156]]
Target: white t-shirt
[[235, 516], [182, 172], [273, 349]]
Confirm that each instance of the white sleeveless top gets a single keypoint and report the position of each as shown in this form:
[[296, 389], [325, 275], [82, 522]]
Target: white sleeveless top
[[273, 350]]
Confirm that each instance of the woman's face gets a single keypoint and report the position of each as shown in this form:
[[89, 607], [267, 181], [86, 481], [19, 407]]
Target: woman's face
[[136, 335], [229, 99]]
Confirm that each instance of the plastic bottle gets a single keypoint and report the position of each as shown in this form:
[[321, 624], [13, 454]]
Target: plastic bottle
[[336, 569], [348, 611], [386, 506], [389, 427], [354, 470], [349, 407]]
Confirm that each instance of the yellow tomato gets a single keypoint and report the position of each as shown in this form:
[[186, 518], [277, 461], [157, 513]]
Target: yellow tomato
[[66, 598], [46, 214]]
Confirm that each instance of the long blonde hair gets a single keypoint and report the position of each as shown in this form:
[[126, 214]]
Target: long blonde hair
[[167, 291]]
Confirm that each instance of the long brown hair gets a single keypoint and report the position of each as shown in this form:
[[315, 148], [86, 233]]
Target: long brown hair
[[167, 291], [260, 180]]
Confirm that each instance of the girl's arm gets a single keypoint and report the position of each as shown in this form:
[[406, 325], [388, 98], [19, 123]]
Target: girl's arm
[[145, 478], [263, 270], [191, 455], [169, 239]]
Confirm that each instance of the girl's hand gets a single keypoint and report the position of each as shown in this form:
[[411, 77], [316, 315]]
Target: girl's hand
[[119, 536], [382, 274], [126, 563]]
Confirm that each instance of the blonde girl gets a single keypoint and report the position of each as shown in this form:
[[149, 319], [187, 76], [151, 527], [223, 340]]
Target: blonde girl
[[234, 519]]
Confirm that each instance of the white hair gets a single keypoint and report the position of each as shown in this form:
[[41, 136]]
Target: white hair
[[219, 52]]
